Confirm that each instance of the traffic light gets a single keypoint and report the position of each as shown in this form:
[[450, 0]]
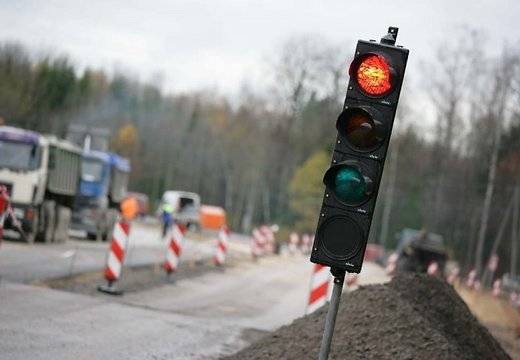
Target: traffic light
[[364, 128]]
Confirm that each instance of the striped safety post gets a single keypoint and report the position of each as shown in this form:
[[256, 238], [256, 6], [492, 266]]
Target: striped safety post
[[453, 275], [222, 243], [433, 269], [174, 249], [258, 243], [391, 264], [294, 239], [268, 234], [116, 257], [472, 276], [319, 288], [4, 200], [351, 279], [497, 288]]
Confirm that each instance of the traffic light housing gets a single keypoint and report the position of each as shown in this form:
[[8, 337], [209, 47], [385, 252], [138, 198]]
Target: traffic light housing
[[364, 128]]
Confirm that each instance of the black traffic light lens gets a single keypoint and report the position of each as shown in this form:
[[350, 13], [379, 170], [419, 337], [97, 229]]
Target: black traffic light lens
[[362, 131], [341, 237]]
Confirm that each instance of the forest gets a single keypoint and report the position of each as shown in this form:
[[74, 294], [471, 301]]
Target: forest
[[262, 155]]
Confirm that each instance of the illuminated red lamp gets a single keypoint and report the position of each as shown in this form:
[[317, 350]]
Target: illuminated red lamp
[[373, 74]]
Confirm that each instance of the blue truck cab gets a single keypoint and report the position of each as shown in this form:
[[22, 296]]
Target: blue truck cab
[[103, 185]]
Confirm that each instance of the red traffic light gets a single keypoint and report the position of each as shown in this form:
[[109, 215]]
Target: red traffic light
[[373, 74]]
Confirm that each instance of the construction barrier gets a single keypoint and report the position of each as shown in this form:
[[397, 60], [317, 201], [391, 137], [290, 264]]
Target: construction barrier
[[116, 257], [433, 269], [391, 264], [222, 243], [4, 200], [497, 288], [294, 239], [174, 249], [258, 243], [472, 276], [319, 288], [351, 279], [453, 275], [306, 244]]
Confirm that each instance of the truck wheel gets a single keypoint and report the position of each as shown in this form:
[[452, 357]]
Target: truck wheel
[[30, 233], [48, 216], [112, 218], [63, 216]]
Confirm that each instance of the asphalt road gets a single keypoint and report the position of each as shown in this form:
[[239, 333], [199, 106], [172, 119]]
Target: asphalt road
[[202, 317], [20, 262]]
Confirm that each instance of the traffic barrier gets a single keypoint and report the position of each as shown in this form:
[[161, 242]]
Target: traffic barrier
[[433, 269], [222, 243], [472, 276], [351, 279], [174, 249], [258, 243], [4, 199], [453, 275], [294, 239], [306, 244], [116, 257], [268, 234], [497, 288], [319, 288], [391, 264]]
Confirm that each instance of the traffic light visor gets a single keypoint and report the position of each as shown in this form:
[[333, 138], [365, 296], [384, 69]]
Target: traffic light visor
[[373, 74]]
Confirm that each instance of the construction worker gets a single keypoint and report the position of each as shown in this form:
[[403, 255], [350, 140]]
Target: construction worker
[[166, 217]]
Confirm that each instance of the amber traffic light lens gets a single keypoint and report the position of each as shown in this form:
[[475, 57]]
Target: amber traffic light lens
[[363, 132], [373, 75]]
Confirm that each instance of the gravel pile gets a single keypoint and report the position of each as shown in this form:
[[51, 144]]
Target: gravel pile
[[412, 317]]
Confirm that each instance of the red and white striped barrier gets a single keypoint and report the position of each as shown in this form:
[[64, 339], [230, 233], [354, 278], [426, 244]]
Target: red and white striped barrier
[[306, 244], [472, 276], [174, 249], [497, 288], [351, 279], [258, 243], [222, 243], [4, 199], [294, 239], [453, 275], [268, 233], [116, 256], [391, 264], [320, 281], [433, 269], [262, 241]]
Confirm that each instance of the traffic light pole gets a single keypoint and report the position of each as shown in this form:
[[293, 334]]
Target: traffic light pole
[[330, 321]]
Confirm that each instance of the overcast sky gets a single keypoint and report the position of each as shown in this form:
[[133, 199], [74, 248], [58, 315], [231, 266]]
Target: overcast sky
[[219, 43]]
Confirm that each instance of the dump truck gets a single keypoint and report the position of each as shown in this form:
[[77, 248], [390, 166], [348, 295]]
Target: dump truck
[[42, 175], [418, 250], [103, 185]]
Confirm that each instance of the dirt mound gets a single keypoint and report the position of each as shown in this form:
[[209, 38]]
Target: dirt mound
[[412, 317]]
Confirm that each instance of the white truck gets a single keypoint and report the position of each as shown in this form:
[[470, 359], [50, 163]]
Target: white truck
[[42, 176], [185, 206]]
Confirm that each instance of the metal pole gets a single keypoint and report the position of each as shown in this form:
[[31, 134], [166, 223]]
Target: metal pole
[[330, 321]]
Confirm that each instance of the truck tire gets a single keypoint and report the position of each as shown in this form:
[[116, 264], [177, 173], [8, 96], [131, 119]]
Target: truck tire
[[30, 233], [111, 221], [63, 217], [48, 218]]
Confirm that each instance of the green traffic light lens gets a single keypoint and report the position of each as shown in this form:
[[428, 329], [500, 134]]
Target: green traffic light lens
[[350, 185]]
